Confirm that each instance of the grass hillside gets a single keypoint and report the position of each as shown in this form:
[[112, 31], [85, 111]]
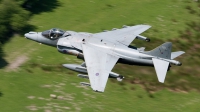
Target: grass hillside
[[31, 71]]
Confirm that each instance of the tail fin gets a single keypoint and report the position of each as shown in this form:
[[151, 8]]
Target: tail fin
[[163, 51]]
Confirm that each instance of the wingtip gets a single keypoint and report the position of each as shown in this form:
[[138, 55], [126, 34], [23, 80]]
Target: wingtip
[[98, 91], [146, 25], [161, 81]]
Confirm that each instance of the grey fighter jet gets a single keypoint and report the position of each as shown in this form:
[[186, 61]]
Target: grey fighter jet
[[101, 51]]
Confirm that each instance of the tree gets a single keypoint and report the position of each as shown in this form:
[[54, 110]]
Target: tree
[[13, 18]]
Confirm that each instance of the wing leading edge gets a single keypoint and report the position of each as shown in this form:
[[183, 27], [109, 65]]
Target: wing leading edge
[[99, 64], [124, 35]]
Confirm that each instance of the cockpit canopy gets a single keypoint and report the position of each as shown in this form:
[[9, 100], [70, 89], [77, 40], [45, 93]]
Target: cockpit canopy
[[53, 33]]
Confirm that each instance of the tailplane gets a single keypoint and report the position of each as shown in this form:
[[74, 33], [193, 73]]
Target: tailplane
[[161, 69], [176, 54]]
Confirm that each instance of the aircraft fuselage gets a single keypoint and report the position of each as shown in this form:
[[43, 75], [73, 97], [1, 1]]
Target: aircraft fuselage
[[72, 45]]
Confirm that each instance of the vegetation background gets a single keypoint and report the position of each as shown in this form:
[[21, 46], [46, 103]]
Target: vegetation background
[[30, 72]]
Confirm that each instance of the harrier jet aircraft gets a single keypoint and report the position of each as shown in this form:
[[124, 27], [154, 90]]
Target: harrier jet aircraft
[[101, 51]]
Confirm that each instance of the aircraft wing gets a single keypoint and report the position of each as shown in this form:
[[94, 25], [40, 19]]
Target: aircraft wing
[[124, 35], [99, 65]]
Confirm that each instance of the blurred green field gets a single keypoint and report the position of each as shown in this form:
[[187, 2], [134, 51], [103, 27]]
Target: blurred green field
[[28, 87]]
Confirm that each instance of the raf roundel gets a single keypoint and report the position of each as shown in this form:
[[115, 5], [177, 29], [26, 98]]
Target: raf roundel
[[97, 74], [64, 51]]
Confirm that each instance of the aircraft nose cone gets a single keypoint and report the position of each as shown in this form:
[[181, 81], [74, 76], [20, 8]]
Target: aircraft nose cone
[[32, 36]]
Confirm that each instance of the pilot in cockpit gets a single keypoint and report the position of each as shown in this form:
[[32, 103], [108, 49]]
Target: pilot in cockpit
[[53, 33]]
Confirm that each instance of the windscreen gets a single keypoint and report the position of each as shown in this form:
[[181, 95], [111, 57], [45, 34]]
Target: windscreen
[[53, 33]]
